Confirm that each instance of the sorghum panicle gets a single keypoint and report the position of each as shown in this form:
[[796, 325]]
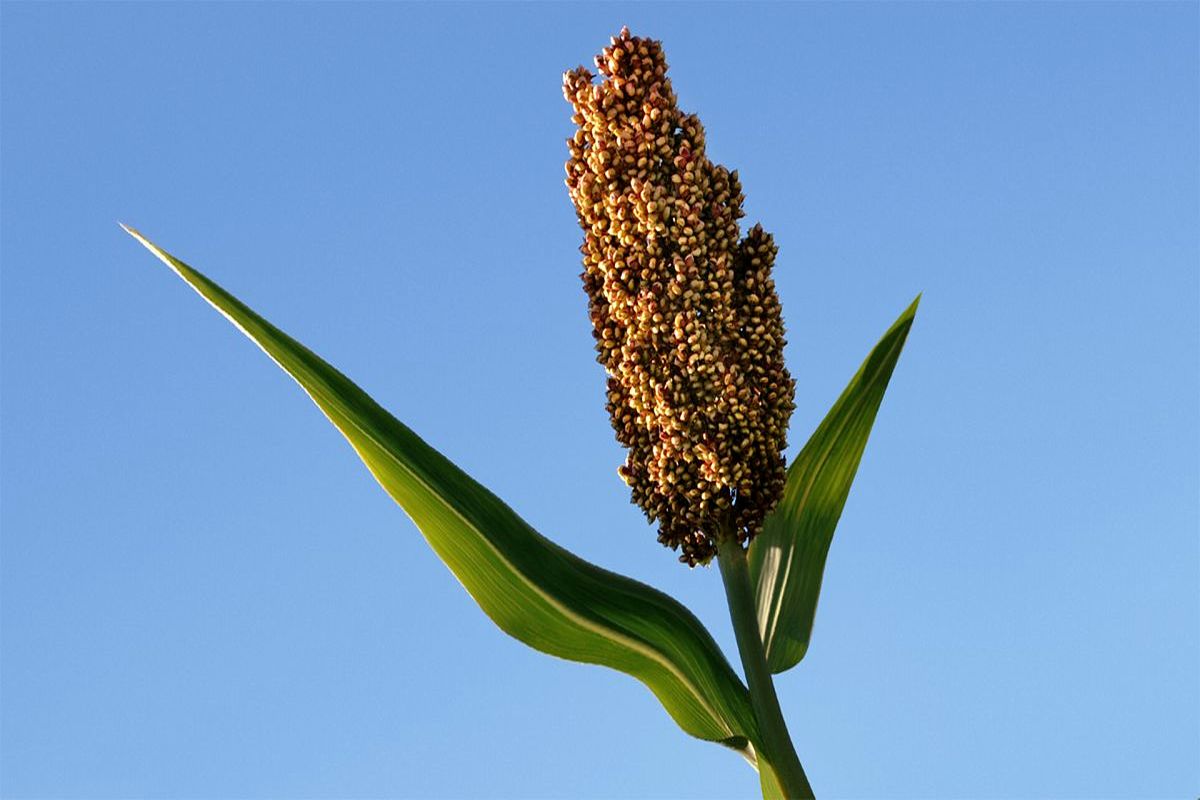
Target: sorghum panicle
[[685, 316]]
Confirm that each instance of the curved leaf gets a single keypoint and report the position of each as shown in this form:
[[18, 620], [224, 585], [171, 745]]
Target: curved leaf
[[787, 559], [533, 589]]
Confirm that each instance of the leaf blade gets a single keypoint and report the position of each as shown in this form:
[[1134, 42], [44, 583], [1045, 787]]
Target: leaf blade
[[787, 560], [530, 587]]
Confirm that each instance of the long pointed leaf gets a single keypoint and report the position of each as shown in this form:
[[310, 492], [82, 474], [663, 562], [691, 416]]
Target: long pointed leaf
[[533, 589], [787, 560]]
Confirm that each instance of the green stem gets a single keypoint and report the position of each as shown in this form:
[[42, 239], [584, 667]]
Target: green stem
[[776, 742]]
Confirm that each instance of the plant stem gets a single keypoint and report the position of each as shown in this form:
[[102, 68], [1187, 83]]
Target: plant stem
[[780, 752]]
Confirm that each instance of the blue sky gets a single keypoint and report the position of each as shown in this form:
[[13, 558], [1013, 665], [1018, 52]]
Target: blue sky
[[205, 595]]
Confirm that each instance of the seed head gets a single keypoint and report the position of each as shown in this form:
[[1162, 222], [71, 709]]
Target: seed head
[[684, 312]]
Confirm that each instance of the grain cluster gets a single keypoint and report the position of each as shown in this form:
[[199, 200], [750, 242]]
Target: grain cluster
[[684, 310]]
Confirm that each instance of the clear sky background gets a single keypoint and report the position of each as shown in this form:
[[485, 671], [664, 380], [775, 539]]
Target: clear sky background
[[205, 595]]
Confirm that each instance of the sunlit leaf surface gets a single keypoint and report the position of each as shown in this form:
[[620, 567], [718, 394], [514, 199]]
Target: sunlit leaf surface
[[533, 589]]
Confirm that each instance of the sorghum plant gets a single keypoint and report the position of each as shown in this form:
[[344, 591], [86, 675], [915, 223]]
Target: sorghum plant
[[688, 328]]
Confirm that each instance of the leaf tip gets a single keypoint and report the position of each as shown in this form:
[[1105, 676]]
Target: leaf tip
[[908, 315], [135, 233], [149, 245]]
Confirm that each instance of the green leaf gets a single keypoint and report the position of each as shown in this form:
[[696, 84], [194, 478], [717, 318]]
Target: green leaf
[[787, 559], [768, 783], [533, 589]]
